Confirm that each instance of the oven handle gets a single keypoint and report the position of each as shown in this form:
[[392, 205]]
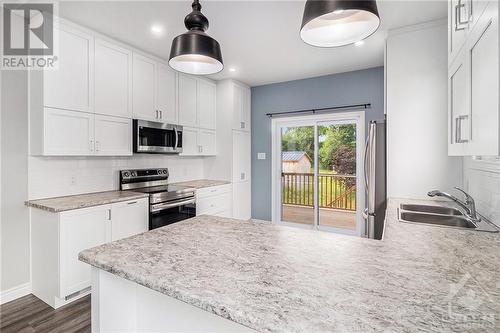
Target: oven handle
[[158, 207]]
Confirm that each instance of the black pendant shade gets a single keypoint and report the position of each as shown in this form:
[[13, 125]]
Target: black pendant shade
[[331, 23], [195, 52]]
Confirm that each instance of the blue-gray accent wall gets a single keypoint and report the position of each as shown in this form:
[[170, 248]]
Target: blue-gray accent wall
[[364, 86]]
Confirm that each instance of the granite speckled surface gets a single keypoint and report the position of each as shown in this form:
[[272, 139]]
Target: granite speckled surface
[[202, 183], [60, 204], [283, 279]]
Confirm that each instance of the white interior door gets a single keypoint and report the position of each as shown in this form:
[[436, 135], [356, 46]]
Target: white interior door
[[317, 163]]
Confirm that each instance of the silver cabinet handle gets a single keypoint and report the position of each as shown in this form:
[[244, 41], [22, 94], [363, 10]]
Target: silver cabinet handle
[[458, 129], [458, 17], [97, 146], [161, 114], [157, 115], [131, 203], [242, 176], [242, 124], [109, 214], [91, 145]]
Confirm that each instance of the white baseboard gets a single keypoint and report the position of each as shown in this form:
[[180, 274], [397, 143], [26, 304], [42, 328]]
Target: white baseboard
[[15, 292]]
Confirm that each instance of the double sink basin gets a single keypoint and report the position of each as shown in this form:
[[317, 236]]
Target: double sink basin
[[440, 216]]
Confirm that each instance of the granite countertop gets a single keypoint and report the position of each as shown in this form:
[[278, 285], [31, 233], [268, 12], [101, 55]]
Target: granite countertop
[[283, 279], [202, 183], [59, 204]]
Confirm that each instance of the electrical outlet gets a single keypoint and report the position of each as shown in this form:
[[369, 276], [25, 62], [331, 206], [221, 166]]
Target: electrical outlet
[[261, 156], [73, 181]]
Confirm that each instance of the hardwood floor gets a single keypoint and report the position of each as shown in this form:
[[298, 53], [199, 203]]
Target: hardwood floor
[[29, 314]]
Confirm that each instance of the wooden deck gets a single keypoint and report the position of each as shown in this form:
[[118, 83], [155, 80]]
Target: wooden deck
[[328, 217]]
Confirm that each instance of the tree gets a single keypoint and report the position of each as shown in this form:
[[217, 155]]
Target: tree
[[344, 162]]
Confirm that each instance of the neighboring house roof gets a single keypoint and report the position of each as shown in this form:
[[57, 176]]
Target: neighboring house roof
[[294, 156]]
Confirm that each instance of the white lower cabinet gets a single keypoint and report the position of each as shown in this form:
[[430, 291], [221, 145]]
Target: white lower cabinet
[[58, 277], [215, 200], [242, 208], [131, 218], [198, 142]]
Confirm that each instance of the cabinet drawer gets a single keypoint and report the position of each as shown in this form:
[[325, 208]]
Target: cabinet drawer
[[213, 204], [213, 191]]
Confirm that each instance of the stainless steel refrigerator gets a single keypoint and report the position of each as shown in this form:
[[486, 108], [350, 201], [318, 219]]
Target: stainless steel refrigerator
[[375, 180]]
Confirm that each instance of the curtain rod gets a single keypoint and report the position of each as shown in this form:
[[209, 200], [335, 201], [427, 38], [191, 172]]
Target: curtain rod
[[313, 111]]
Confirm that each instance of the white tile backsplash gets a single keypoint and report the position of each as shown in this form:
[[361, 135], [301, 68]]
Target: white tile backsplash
[[58, 176], [482, 180]]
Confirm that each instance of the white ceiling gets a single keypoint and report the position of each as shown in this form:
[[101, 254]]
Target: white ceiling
[[260, 39]]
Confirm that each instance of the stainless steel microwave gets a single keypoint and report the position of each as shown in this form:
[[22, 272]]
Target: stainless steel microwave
[[156, 138]]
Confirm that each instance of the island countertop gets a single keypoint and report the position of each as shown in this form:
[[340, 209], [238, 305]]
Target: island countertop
[[282, 279]]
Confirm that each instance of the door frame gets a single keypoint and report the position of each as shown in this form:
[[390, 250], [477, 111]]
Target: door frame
[[357, 117]]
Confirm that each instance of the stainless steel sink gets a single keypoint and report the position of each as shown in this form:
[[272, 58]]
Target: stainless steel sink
[[441, 216], [431, 209], [434, 219]]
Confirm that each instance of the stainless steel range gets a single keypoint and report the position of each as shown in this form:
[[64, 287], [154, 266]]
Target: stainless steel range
[[167, 203]]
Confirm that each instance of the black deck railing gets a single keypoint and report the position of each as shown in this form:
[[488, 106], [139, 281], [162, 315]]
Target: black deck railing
[[334, 191]]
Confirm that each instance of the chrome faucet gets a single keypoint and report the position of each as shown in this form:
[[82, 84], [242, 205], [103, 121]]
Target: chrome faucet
[[468, 207]]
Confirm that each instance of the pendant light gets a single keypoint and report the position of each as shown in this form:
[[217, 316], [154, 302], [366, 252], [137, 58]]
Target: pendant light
[[195, 52], [332, 23]]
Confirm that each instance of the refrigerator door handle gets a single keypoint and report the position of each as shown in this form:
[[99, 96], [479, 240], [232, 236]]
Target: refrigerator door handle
[[367, 145]]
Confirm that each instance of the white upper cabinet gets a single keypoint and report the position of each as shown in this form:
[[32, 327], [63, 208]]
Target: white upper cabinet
[[113, 79], [143, 87], [205, 104], [69, 86], [482, 49], [113, 136], [241, 108], [68, 132], [198, 142], [474, 113], [187, 100], [166, 97], [206, 140], [458, 113], [154, 91]]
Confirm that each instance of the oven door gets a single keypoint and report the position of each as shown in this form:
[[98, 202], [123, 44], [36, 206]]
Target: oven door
[[153, 137], [169, 212]]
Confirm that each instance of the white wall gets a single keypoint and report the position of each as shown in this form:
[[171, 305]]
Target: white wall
[[417, 151], [482, 181], [15, 268]]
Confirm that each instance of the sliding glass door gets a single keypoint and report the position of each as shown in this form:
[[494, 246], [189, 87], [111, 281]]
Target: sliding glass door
[[316, 164]]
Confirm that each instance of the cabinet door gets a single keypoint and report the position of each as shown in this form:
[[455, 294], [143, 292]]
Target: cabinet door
[[206, 139], [79, 230], [238, 123], [143, 88], [129, 218], [187, 100], [205, 102], [113, 135], [458, 111], [113, 66], [482, 49], [242, 204], [241, 156], [69, 87], [166, 94], [68, 132], [246, 109], [458, 15], [190, 141]]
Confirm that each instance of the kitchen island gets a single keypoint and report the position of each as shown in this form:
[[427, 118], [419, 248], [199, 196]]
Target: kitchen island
[[217, 274]]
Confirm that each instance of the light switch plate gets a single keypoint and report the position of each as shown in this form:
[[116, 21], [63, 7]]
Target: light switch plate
[[261, 156]]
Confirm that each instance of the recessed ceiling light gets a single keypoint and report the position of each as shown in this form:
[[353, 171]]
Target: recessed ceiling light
[[157, 29], [232, 69], [359, 43]]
